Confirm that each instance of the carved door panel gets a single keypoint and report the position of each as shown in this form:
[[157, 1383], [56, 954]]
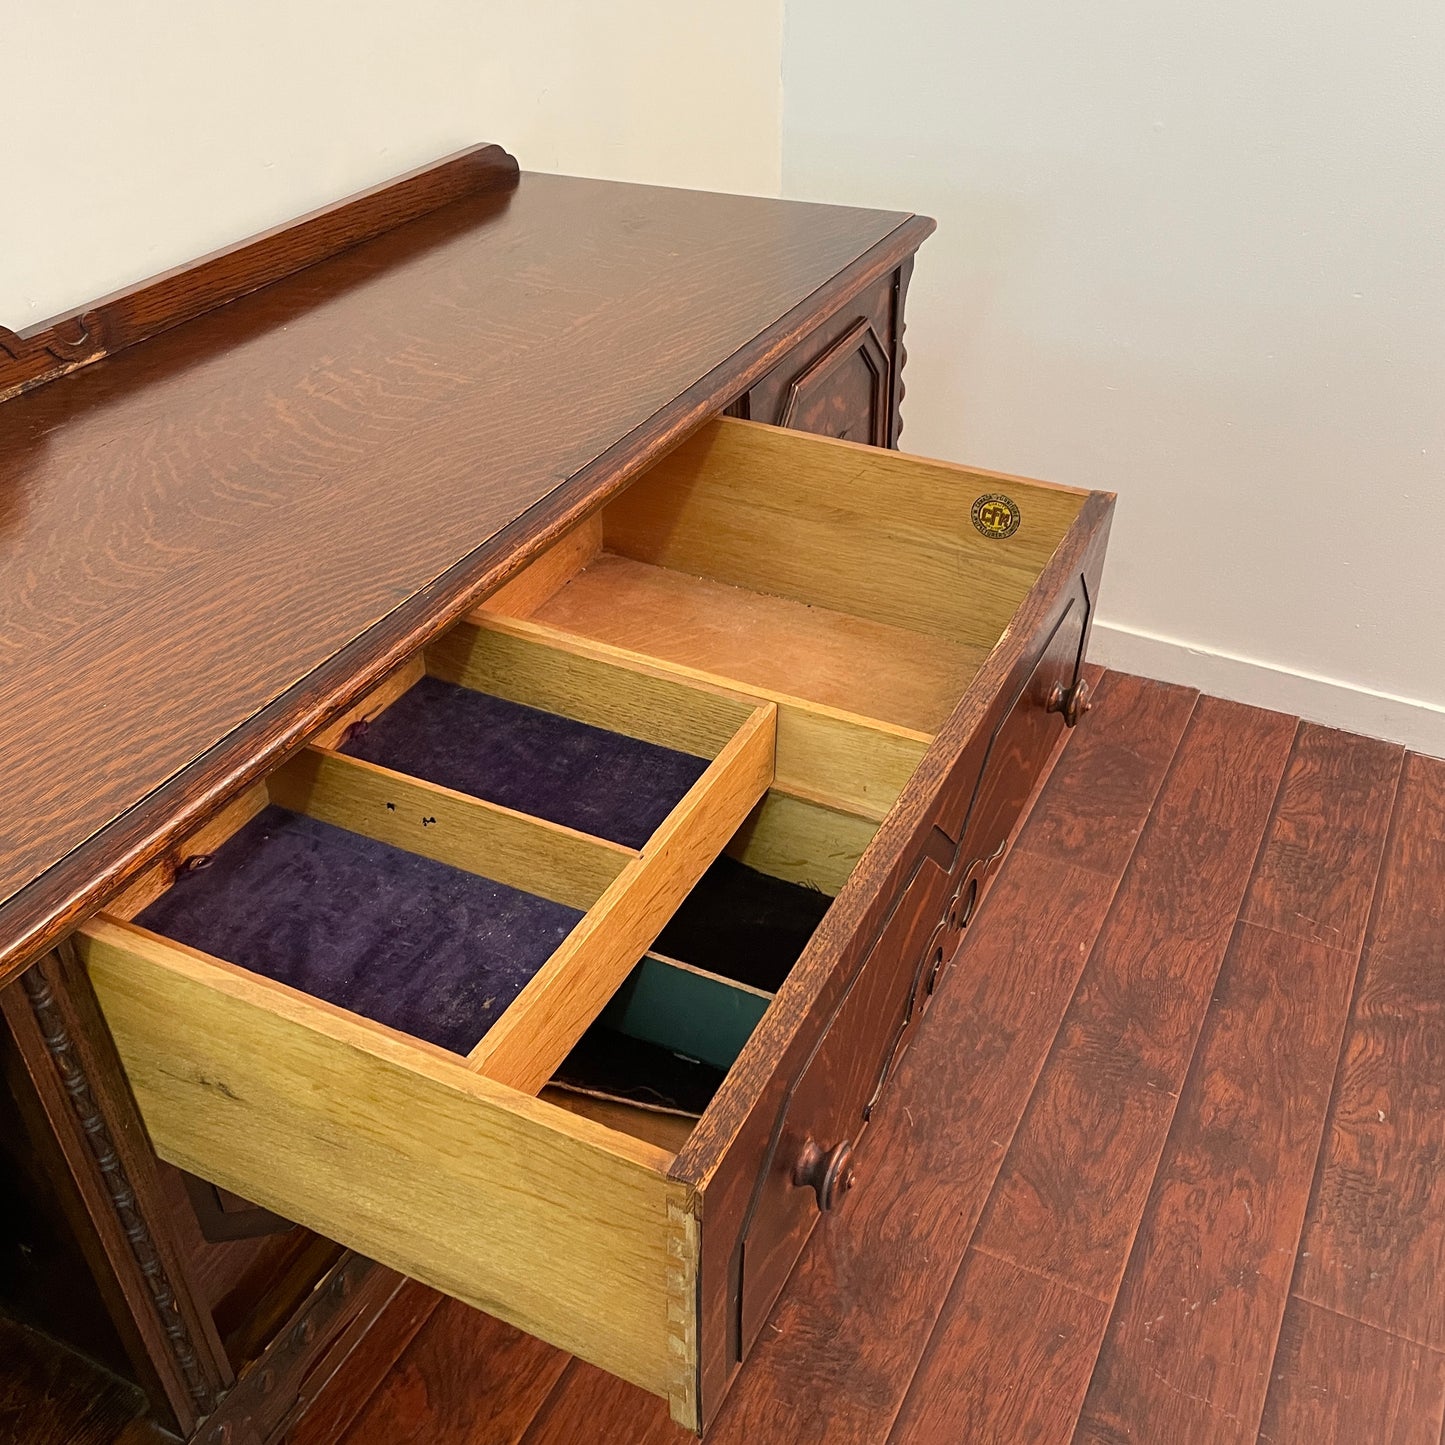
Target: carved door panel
[[843, 380], [844, 392]]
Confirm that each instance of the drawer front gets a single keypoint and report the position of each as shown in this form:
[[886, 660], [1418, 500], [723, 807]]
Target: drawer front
[[812, 1161], [814, 1156], [1018, 749]]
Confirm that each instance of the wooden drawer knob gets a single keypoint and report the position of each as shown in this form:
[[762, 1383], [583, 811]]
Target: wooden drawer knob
[[828, 1173], [1073, 702]]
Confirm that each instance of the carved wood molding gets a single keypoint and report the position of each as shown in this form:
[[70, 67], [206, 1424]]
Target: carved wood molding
[[277, 1388], [901, 279], [51, 349], [61, 1048]]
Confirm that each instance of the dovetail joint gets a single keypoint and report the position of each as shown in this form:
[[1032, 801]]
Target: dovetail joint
[[681, 1275]]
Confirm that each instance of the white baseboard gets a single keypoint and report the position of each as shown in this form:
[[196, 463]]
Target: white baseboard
[[1417, 724]]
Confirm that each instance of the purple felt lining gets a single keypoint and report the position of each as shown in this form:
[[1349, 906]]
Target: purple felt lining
[[535, 762], [428, 949]]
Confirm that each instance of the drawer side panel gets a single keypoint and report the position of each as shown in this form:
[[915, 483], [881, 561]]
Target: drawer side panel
[[403, 1155]]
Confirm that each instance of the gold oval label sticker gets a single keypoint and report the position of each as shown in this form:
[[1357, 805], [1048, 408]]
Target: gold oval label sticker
[[996, 516]]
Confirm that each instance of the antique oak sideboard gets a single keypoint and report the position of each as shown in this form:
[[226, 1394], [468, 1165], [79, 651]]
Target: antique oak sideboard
[[500, 749]]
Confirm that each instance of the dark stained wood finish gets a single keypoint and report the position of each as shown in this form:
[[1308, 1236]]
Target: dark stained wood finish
[[840, 1346], [353, 1383], [839, 381], [464, 1378], [1375, 1245], [1317, 876], [107, 1174], [1013, 1350], [197, 580], [49, 1396], [590, 1408], [1186, 1355], [1074, 1185], [1092, 812], [982, 1380], [901, 277], [1338, 1382], [65, 343], [209, 447], [301, 1359], [1409, 923]]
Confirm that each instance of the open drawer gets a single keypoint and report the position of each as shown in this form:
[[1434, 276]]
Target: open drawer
[[564, 971]]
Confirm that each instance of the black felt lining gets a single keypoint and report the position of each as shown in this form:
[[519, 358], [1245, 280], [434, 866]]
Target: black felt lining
[[736, 922], [744, 925]]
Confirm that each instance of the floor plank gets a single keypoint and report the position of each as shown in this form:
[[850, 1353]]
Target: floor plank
[[590, 1408], [1375, 1245], [1009, 1360], [1090, 814], [1409, 922], [1338, 1382], [49, 1396], [1188, 1350], [1316, 877], [466, 1379], [1074, 1185]]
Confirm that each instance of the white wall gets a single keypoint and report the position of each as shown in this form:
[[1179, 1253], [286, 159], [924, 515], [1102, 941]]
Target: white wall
[[135, 137], [1196, 254]]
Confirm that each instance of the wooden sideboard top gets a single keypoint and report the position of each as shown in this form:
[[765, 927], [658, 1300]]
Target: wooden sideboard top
[[217, 537]]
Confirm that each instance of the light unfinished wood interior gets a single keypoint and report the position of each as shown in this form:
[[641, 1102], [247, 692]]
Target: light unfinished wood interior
[[626, 895], [826, 576]]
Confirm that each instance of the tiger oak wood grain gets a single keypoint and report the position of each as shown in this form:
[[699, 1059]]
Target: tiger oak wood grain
[[62, 344], [1338, 1382], [191, 526], [1188, 1350], [1074, 1184], [1375, 1245]]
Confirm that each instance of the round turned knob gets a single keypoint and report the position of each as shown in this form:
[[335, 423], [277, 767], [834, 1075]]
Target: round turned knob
[[1072, 702], [827, 1172]]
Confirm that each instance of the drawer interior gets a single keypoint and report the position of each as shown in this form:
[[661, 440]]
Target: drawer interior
[[506, 820], [832, 575], [651, 1062]]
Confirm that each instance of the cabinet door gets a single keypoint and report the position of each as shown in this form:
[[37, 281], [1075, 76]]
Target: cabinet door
[[843, 380]]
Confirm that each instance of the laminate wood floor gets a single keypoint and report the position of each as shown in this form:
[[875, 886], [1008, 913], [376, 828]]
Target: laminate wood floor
[[1166, 1165]]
